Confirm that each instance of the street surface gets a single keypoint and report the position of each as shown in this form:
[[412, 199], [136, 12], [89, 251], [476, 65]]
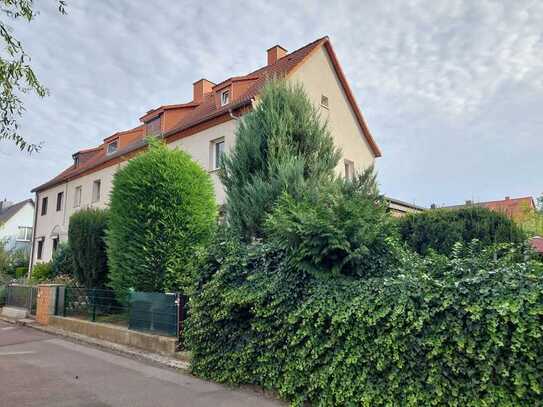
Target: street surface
[[38, 369]]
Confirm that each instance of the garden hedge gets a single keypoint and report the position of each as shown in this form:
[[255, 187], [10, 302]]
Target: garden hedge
[[459, 332], [440, 229]]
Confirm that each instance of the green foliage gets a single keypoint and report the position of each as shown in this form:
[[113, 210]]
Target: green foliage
[[337, 228], [16, 75], [281, 146], [63, 261], [163, 212], [20, 272], [11, 260], [42, 272], [440, 229], [464, 330], [86, 238]]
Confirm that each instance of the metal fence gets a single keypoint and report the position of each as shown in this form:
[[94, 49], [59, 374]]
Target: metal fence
[[149, 312], [22, 296]]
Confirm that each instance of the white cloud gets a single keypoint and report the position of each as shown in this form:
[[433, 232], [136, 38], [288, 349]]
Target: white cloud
[[451, 89]]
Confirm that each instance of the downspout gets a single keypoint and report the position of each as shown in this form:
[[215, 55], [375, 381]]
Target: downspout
[[31, 262], [232, 115]]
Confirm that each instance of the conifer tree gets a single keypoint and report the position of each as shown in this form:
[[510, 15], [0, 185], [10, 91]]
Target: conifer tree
[[281, 146]]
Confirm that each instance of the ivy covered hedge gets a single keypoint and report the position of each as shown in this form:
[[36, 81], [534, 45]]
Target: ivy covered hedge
[[439, 331]]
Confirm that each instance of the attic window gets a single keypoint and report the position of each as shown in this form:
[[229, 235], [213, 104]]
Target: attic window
[[324, 101], [153, 127], [225, 97], [112, 147], [76, 160]]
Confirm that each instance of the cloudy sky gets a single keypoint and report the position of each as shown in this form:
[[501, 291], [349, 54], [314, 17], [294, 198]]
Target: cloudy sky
[[452, 90]]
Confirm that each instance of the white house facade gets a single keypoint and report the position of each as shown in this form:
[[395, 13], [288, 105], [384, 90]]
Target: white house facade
[[205, 128], [16, 222]]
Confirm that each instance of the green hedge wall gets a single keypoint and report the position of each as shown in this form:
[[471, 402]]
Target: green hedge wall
[[462, 331], [440, 229]]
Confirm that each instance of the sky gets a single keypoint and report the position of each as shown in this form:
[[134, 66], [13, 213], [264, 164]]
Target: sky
[[451, 90]]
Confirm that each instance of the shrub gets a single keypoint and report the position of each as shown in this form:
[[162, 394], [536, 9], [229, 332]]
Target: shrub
[[163, 212], [437, 331], [440, 229], [86, 235], [280, 146], [63, 261], [20, 272], [42, 272], [341, 227]]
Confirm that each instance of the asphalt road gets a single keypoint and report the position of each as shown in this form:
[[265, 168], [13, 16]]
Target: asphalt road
[[37, 369]]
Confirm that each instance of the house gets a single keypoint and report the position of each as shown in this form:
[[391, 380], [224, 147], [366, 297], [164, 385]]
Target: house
[[205, 128], [399, 208], [16, 224], [514, 208]]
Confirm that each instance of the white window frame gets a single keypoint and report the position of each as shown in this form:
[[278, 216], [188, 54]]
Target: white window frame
[[96, 190], [325, 102], [349, 169], [213, 153], [78, 192], [27, 235], [112, 147], [225, 97]]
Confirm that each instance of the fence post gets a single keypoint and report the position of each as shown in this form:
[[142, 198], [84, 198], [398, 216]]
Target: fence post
[[93, 305]]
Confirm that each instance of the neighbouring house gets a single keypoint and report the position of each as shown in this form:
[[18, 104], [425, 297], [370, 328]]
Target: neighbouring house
[[399, 208], [537, 244], [205, 128], [514, 208], [16, 221]]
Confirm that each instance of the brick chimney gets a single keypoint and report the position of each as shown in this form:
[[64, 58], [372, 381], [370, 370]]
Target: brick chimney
[[199, 88], [275, 53]]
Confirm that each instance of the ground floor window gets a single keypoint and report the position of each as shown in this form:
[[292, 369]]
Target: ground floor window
[[39, 253]]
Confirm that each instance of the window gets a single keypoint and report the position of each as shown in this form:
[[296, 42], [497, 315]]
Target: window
[[225, 97], [40, 249], [76, 160], [96, 190], [60, 197], [44, 206], [55, 244], [24, 234], [112, 147], [349, 169], [217, 151], [153, 127], [324, 101], [77, 197]]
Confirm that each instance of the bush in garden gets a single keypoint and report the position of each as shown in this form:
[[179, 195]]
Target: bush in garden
[[21, 272], [163, 212], [42, 272], [435, 331], [280, 146], [63, 261], [440, 229], [338, 228], [86, 238]]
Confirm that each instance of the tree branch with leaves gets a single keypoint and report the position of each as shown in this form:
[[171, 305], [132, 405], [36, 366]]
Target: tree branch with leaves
[[16, 74]]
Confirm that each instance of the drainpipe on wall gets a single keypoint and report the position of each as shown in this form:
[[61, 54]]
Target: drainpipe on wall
[[32, 240]]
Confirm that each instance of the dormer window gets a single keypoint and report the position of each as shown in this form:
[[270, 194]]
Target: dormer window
[[225, 97], [152, 127], [112, 147]]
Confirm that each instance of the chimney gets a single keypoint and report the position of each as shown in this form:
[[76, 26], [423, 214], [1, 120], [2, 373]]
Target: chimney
[[199, 88], [275, 53], [507, 198]]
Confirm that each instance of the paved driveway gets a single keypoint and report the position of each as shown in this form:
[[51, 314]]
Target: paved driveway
[[37, 369]]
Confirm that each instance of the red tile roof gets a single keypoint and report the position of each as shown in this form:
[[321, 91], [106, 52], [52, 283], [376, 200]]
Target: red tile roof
[[537, 243], [515, 208], [208, 109]]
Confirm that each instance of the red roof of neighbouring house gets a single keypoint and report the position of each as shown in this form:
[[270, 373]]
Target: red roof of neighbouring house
[[248, 87], [515, 208], [537, 244]]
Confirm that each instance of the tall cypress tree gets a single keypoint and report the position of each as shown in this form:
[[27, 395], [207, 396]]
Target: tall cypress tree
[[281, 146]]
